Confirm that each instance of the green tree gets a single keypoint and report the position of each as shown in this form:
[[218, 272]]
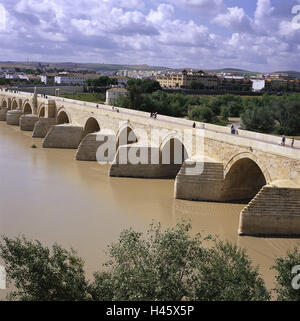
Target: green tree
[[196, 85], [43, 274], [202, 113], [227, 274], [172, 265], [284, 277], [258, 118], [287, 112]]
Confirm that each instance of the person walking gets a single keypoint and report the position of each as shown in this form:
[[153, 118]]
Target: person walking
[[194, 125], [293, 141], [283, 141], [232, 130]]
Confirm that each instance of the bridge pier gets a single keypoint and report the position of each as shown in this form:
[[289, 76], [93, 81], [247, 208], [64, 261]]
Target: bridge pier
[[137, 161], [13, 117], [42, 126], [87, 150], [27, 122], [3, 113], [200, 181], [63, 136], [275, 211]]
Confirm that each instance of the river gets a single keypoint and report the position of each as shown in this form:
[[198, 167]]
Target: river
[[46, 195]]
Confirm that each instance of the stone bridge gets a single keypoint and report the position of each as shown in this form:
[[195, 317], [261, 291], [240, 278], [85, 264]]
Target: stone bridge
[[207, 162]]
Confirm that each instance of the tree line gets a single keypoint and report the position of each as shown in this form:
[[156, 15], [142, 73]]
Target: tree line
[[266, 114], [163, 265]]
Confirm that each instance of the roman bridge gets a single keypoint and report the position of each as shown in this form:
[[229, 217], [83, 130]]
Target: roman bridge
[[214, 165]]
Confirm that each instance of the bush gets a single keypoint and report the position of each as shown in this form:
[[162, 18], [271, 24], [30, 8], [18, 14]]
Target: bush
[[283, 266], [43, 274], [168, 265]]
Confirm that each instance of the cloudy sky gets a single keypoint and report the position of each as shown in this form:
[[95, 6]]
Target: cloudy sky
[[253, 34]]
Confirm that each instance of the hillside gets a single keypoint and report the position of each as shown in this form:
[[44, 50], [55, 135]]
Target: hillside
[[241, 72], [72, 65]]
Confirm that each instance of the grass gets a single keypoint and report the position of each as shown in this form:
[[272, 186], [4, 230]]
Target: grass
[[89, 97]]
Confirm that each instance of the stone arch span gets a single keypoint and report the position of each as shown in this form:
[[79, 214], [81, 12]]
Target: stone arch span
[[244, 178], [41, 112], [63, 117], [173, 153], [14, 104], [27, 108], [91, 126], [125, 136], [3, 104]]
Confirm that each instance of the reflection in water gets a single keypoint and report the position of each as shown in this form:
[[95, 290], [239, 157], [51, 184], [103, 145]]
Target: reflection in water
[[45, 194]]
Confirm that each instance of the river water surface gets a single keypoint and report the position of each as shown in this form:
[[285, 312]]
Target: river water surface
[[46, 195]]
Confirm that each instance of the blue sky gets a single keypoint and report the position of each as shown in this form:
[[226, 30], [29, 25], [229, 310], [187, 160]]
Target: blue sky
[[257, 35]]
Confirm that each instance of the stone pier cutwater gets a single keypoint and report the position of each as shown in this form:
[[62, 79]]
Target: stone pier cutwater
[[3, 113], [63, 136], [27, 122], [42, 126], [249, 166], [273, 211], [138, 162], [13, 117], [89, 146]]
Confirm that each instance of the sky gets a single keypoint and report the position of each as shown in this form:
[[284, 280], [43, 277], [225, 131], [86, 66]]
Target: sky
[[258, 35]]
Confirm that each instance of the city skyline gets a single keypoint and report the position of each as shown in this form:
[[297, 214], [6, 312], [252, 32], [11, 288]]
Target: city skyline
[[257, 36]]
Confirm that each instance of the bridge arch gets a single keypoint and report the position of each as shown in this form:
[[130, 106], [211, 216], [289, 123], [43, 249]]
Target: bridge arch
[[63, 117], [125, 135], [42, 111], [244, 177], [173, 149], [173, 153], [91, 126], [27, 107], [14, 104], [3, 103]]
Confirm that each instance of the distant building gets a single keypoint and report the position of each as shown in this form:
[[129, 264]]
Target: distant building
[[48, 79], [11, 76], [69, 79], [121, 81], [113, 94], [258, 84], [185, 79], [288, 84]]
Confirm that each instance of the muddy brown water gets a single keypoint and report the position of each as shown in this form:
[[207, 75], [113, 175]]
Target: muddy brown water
[[46, 195]]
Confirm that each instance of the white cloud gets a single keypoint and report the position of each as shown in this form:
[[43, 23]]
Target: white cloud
[[235, 18], [163, 12], [202, 7], [156, 32], [2, 18]]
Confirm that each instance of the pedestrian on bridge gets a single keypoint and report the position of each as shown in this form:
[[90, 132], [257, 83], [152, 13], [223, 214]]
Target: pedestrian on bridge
[[293, 141], [283, 140]]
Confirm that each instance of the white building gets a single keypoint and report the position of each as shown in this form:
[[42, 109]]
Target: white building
[[25, 77], [69, 80], [11, 76], [114, 93], [258, 84]]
